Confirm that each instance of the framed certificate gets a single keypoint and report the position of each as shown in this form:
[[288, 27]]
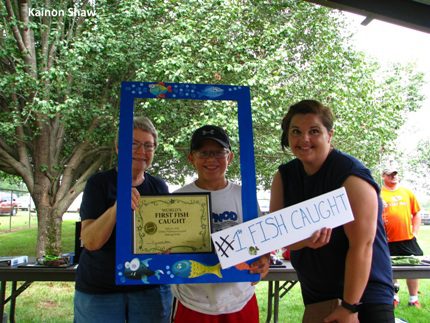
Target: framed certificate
[[174, 223]]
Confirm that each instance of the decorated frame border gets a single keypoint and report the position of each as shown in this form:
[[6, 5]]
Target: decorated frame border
[[138, 269]]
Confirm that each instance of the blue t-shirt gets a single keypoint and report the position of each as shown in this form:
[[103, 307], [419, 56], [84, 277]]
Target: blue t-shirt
[[96, 270], [321, 271]]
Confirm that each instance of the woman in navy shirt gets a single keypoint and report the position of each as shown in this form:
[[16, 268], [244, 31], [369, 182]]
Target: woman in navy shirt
[[354, 266], [97, 298]]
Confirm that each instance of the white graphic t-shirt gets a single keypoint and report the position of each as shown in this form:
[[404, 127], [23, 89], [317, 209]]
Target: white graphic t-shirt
[[221, 298]]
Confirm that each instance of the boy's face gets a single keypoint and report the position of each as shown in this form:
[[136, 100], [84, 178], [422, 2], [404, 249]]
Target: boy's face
[[211, 161]]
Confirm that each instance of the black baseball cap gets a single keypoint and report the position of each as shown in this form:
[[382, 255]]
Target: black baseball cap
[[209, 132]]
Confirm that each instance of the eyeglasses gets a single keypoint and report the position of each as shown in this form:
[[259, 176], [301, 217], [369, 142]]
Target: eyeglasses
[[219, 154], [146, 145]]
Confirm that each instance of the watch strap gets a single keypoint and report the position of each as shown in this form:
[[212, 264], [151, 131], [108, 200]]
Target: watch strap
[[353, 308]]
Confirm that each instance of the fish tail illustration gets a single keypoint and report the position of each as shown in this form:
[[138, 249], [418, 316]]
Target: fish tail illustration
[[198, 269], [169, 88], [216, 270]]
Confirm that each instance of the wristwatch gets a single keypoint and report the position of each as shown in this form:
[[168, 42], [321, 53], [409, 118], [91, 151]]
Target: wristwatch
[[353, 308]]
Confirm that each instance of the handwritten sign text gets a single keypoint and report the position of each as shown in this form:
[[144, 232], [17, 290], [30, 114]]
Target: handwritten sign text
[[281, 228]]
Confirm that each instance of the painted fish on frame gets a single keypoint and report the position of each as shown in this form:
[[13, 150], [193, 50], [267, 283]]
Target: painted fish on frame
[[211, 92], [193, 269], [139, 269], [159, 89]]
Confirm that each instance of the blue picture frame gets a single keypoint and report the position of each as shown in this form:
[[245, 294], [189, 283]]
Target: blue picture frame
[[138, 269]]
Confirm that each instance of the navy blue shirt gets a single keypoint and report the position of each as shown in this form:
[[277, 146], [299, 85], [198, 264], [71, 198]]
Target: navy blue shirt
[[321, 271], [96, 270]]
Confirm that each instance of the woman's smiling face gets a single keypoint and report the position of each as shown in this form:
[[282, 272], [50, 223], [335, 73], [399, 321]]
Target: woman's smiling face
[[142, 157], [309, 140]]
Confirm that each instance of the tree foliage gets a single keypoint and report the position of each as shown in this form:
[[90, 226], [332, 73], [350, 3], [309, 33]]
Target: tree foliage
[[60, 79], [285, 52], [10, 182], [418, 164]]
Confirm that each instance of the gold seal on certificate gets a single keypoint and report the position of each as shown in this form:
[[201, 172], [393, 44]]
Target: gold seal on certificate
[[174, 223]]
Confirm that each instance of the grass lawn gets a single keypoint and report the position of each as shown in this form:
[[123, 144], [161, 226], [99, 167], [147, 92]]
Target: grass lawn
[[22, 220], [53, 301], [21, 238]]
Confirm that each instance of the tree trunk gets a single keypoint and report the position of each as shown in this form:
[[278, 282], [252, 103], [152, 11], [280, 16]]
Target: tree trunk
[[49, 231]]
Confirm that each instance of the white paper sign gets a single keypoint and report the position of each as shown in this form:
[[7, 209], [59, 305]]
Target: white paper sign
[[281, 228]]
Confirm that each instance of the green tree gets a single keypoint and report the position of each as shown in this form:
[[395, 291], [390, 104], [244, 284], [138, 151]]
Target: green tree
[[285, 51], [60, 80], [59, 101], [10, 182], [419, 165]]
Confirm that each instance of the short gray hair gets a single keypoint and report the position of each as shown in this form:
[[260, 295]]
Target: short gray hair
[[143, 123]]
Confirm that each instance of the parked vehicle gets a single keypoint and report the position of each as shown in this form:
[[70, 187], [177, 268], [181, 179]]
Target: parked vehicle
[[8, 204], [25, 203], [425, 217]]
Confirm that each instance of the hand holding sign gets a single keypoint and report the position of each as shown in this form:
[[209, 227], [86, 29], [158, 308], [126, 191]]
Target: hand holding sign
[[317, 240], [260, 266], [284, 227]]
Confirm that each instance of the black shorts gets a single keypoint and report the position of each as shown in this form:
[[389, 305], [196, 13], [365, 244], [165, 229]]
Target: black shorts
[[376, 313], [405, 248]]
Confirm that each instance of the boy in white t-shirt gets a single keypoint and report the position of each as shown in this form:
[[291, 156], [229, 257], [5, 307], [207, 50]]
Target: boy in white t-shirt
[[210, 154]]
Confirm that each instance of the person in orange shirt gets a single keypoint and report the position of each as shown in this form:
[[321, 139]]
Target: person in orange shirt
[[402, 221]]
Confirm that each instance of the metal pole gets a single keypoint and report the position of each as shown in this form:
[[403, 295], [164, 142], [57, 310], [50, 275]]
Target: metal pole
[[29, 212], [11, 211]]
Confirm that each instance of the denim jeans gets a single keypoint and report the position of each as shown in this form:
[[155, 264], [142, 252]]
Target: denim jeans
[[149, 306]]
